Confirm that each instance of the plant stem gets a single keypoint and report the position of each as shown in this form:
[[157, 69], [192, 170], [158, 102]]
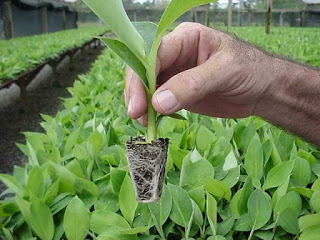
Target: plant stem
[[152, 115]]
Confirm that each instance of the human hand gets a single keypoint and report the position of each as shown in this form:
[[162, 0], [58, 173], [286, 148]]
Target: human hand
[[204, 71]]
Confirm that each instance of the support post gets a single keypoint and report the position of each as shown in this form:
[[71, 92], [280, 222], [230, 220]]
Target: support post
[[134, 16], [230, 15], [208, 15], [7, 17], [268, 16], [194, 15], [64, 20], [240, 18], [303, 15], [44, 20], [281, 19]]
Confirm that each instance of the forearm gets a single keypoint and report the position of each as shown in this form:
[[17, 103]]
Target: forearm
[[293, 100]]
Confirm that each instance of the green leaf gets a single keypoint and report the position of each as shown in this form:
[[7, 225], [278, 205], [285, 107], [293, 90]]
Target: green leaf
[[288, 209], [124, 53], [204, 137], [315, 201], [311, 233], [230, 162], [71, 141], [11, 183], [218, 188], [101, 219], [181, 206], [198, 195], [225, 226], [243, 223], [254, 159], [244, 196], [76, 220], [113, 14], [35, 185], [211, 211], [148, 31], [161, 210], [259, 209], [278, 175], [194, 174], [41, 219], [8, 209], [301, 172], [232, 177], [95, 143], [127, 200], [174, 10], [309, 221]]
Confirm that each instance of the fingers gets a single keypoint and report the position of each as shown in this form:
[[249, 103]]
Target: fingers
[[135, 96], [183, 89]]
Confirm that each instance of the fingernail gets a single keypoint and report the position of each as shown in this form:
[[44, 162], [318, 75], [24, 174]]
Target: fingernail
[[167, 100], [129, 107]]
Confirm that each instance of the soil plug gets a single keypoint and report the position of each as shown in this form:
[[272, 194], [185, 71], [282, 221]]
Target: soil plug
[[147, 163]]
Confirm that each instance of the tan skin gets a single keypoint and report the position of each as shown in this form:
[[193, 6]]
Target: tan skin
[[209, 72]]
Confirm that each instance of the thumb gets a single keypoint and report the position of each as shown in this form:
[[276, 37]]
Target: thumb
[[182, 90]]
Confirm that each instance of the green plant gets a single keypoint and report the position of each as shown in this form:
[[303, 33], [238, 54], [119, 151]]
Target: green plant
[[21, 54], [138, 42]]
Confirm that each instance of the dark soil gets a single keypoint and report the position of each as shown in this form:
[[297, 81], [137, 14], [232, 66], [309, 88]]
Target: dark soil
[[20, 117]]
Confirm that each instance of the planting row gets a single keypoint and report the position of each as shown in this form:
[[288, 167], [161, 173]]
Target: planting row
[[21, 54]]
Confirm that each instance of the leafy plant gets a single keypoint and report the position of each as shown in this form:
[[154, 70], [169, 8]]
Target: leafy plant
[[138, 43], [21, 54]]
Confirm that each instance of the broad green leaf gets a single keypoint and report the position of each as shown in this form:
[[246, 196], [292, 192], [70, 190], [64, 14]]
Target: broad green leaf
[[95, 143], [301, 172], [234, 209], [315, 201], [181, 206], [232, 177], [204, 137], [52, 191], [198, 195], [264, 235], [35, 184], [101, 219], [76, 220], [127, 200], [211, 211], [7, 233], [311, 233], [279, 193], [225, 226], [174, 10], [113, 14], [306, 192], [194, 174], [243, 223], [230, 162], [71, 141], [244, 196], [216, 238], [11, 183], [279, 174], [288, 210], [259, 209], [162, 209], [148, 31], [8, 209], [115, 234], [41, 219], [218, 188], [75, 167], [309, 221], [254, 159], [124, 53]]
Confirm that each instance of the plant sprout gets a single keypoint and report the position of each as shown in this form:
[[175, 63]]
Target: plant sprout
[[138, 43]]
